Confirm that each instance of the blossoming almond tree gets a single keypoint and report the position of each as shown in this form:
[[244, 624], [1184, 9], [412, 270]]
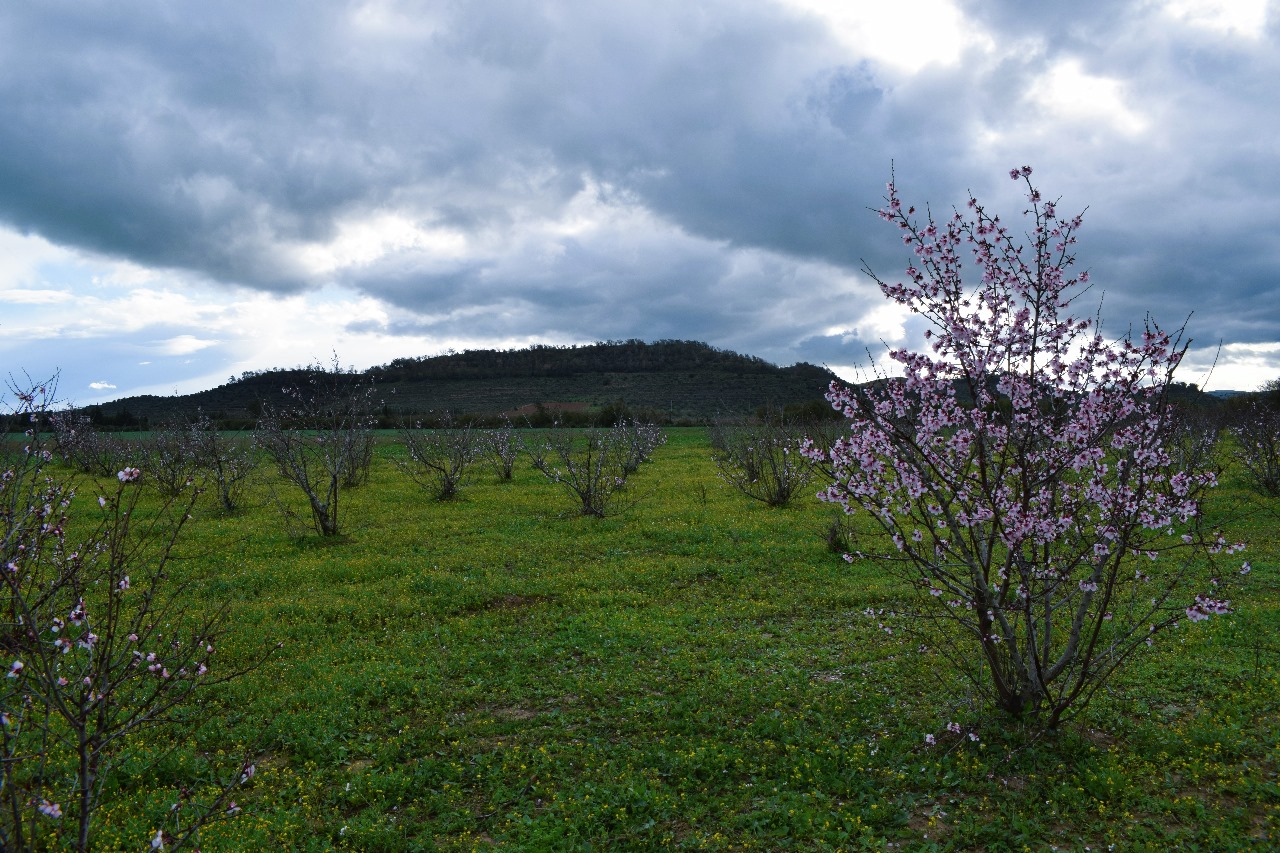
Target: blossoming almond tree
[[101, 647], [1020, 468]]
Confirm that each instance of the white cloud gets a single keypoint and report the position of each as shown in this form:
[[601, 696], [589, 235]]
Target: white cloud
[[391, 20], [365, 239], [101, 386], [20, 296], [905, 37], [184, 345], [1237, 367], [1073, 95], [23, 256], [1244, 18], [885, 322]]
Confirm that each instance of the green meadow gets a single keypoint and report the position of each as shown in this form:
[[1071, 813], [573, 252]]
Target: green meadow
[[700, 672]]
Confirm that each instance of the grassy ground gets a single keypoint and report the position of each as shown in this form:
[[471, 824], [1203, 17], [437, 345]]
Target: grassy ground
[[500, 673]]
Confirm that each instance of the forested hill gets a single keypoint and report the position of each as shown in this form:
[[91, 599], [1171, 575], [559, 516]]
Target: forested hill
[[674, 381], [609, 357]]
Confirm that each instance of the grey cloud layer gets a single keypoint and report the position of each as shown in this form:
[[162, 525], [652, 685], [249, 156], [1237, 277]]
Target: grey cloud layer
[[216, 138]]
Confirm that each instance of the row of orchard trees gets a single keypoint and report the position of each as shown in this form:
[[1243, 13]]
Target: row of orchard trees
[[100, 643], [321, 440]]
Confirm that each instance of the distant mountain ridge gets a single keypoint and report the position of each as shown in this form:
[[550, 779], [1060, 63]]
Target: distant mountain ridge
[[675, 381]]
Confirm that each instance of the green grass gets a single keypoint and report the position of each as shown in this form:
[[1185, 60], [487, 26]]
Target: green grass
[[498, 672]]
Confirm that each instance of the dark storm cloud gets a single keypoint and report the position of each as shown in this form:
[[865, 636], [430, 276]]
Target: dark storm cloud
[[204, 138], [1176, 211], [220, 138], [625, 277]]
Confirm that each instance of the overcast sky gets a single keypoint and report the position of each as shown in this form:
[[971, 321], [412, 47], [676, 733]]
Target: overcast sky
[[192, 190]]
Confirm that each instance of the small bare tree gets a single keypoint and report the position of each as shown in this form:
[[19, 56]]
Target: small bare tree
[[170, 458], [185, 451], [439, 459], [501, 447], [639, 439], [588, 464], [320, 437], [228, 463], [85, 447], [1257, 446], [358, 458], [762, 460]]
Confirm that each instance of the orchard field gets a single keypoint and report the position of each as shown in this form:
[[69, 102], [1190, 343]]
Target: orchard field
[[700, 672]]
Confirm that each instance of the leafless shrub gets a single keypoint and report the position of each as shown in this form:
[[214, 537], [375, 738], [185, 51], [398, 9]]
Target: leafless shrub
[[1195, 438], [439, 459], [321, 440], [501, 447], [86, 448], [762, 460], [1257, 446], [229, 463], [639, 440], [588, 464], [170, 458]]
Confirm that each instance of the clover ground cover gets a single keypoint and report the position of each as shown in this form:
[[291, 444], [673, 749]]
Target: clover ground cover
[[498, 672]]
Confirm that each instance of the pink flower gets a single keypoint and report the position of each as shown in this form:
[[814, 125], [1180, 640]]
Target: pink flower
[[128, 475], [930, 739], [52, 810], [16, 669]]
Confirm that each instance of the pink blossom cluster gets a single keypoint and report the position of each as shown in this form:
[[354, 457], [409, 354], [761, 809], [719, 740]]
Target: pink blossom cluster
[[1205, 607], [952, 728]]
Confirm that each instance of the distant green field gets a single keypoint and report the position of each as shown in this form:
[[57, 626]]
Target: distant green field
[[499, 672]]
